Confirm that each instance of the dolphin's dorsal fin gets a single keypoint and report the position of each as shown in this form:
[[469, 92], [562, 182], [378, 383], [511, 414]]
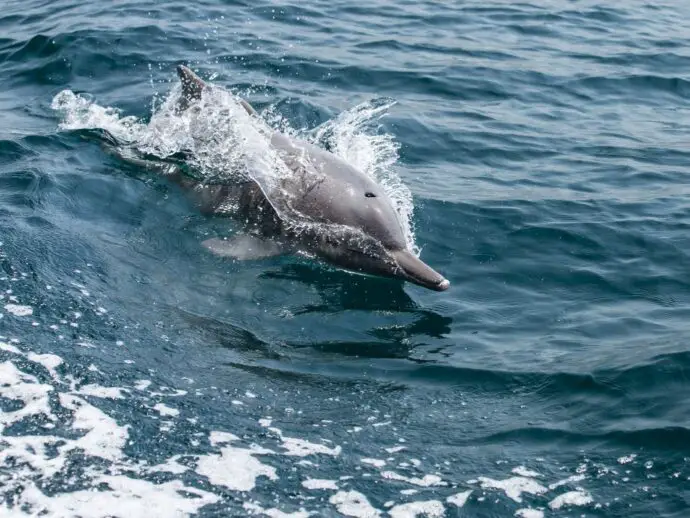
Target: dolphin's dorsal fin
[[192, 85]]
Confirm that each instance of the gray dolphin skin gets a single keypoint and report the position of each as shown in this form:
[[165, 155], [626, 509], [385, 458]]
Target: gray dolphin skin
[[352, 222]]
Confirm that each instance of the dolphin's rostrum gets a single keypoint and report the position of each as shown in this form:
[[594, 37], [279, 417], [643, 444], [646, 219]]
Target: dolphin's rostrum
[[325, 207]]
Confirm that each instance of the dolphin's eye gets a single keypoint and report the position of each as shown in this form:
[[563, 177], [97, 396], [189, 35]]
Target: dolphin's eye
[[369, 195]]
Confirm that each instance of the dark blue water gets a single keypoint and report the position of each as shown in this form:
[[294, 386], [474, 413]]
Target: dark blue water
[[545, 146]]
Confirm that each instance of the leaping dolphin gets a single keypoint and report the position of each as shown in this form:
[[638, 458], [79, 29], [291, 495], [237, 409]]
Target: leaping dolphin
[[344, 216]]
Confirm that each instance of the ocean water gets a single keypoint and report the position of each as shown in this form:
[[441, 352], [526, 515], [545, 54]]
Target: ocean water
[[539, 154]]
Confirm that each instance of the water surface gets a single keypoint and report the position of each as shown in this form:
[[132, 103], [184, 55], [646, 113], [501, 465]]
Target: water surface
[[544, 148]]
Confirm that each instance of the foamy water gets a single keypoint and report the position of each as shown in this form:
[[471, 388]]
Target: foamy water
[[66, 434], [62, 432], [69, 446]]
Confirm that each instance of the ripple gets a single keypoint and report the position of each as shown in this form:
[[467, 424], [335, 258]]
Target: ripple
[[636, 85], [545, 145]]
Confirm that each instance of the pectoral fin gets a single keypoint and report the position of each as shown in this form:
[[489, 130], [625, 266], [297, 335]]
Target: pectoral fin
[[243, 247]]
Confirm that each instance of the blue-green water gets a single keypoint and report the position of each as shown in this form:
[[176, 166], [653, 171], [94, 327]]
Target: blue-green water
[[545, 146]]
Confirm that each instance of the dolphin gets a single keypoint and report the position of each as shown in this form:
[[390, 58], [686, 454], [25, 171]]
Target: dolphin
[[336, 212]]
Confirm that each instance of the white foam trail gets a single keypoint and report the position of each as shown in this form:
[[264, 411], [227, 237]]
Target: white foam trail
[[94, 451], [49, 361], [430, 509], [255, 509], [571, 498], [377, 463], [170, 466], [19, 386], [235, 468], [627, 459], [216, 438], [315, 483], [459, 499], [396, 449], [127, 497], [302, 448], [569, 480], [102, 392], [9, 348], [529, 513], [425, 481], [354, 504], [19, 310], [524, 472], [80, 112], [29, 462], [142, 384], [104, 438], [514, 486], [165, 410]]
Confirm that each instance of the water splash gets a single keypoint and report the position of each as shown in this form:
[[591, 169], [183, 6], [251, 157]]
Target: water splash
[[80, 112], [356, 136]]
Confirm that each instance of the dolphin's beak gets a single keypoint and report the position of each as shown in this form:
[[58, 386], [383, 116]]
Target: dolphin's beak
[[417, 271]]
